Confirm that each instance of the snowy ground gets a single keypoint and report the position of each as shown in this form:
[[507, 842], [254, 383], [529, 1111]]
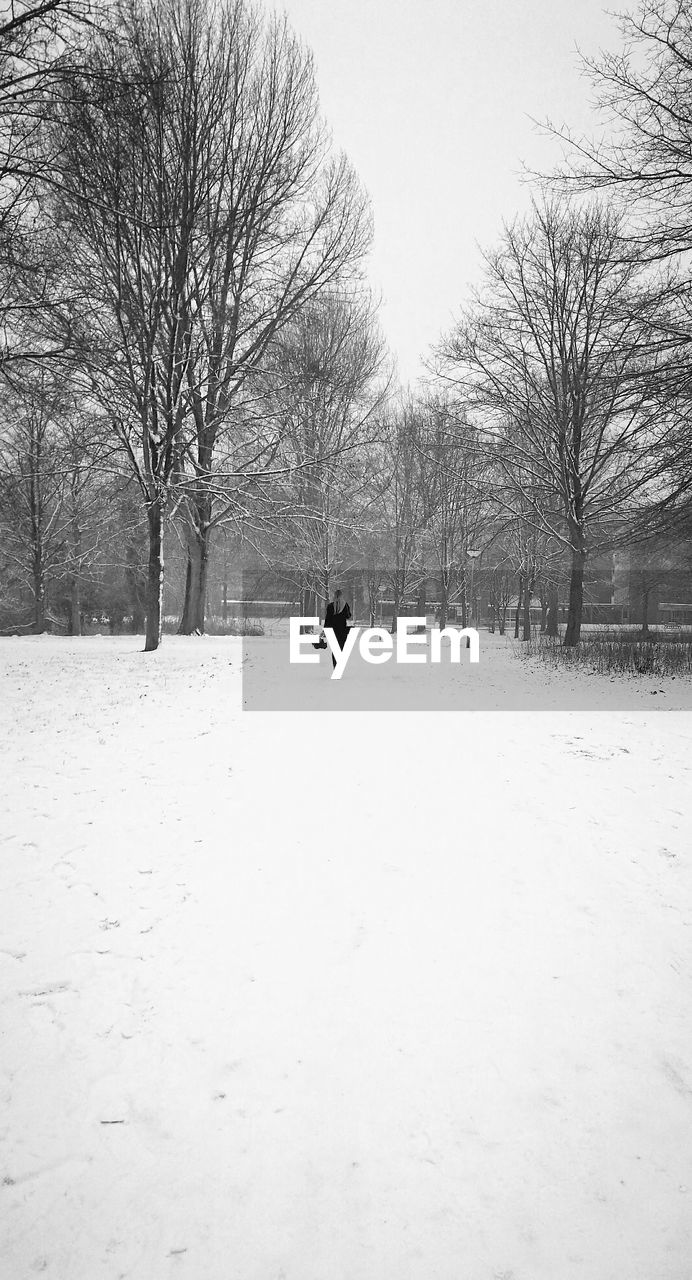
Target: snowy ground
[[338, 997], [501, 681]]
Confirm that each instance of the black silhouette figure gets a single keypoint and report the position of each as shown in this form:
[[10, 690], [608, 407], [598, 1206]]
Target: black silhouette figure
[[337, 617]]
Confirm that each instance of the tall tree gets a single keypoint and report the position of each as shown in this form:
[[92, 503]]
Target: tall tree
[[329, 383], [560, 354], [58, 496], [283, 221], [38, 41], [454, 474], [197, 177], [401, 506], [642, 160], [644, 154]]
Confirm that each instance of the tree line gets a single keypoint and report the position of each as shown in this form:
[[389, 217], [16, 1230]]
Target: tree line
[[190, 354]]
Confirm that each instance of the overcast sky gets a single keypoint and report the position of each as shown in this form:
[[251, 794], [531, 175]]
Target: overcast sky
[[432, 100]]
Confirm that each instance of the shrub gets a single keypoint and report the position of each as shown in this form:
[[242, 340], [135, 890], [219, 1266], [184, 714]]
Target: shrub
[[215, 627], [659, 654], [235, 627]]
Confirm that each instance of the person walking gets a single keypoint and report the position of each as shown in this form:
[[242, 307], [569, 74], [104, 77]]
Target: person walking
[[337, 617]]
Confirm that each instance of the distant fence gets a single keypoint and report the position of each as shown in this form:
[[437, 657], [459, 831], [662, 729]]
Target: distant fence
[[24, 627], [258, 609]]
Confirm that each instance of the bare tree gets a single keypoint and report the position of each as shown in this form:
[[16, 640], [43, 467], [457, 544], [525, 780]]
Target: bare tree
[[38, 39], [283, 220], [500, 578], [31, 493], [642, 159], [89, 498], [525, 513], [129, 193], [644, 156], [196, 171], [401, 510], [559, 356], [54, 496], [329, 380], [454, 474]]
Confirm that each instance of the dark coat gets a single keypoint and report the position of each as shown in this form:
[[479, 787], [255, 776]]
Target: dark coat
[[338, 622]]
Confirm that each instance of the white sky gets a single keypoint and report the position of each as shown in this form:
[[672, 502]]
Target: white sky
[[432, 100]]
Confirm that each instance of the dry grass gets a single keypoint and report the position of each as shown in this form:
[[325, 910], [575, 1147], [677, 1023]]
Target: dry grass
[[666, 653], [215, 627]]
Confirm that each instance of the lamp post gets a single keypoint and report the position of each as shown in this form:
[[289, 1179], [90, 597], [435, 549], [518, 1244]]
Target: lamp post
[[473, 556]]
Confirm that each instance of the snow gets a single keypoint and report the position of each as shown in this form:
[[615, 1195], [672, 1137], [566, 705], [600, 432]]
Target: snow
[[503, 680], [340, 997]]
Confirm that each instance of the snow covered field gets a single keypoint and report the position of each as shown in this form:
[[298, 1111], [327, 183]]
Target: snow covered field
[[501, 681], [339, 997]]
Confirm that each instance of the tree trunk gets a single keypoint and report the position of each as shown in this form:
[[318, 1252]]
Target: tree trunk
[[154, 590], [39, 593], [75, 621], [395, 607], [645, 613], [463, 599], [527, 612], [551, 627], [444, 603], [517, 615], [75, 627], [576, 595], [133, 583], [421, 606], [372, 602], [193, 618], [40, 609], [200, 594], [184, 624]]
